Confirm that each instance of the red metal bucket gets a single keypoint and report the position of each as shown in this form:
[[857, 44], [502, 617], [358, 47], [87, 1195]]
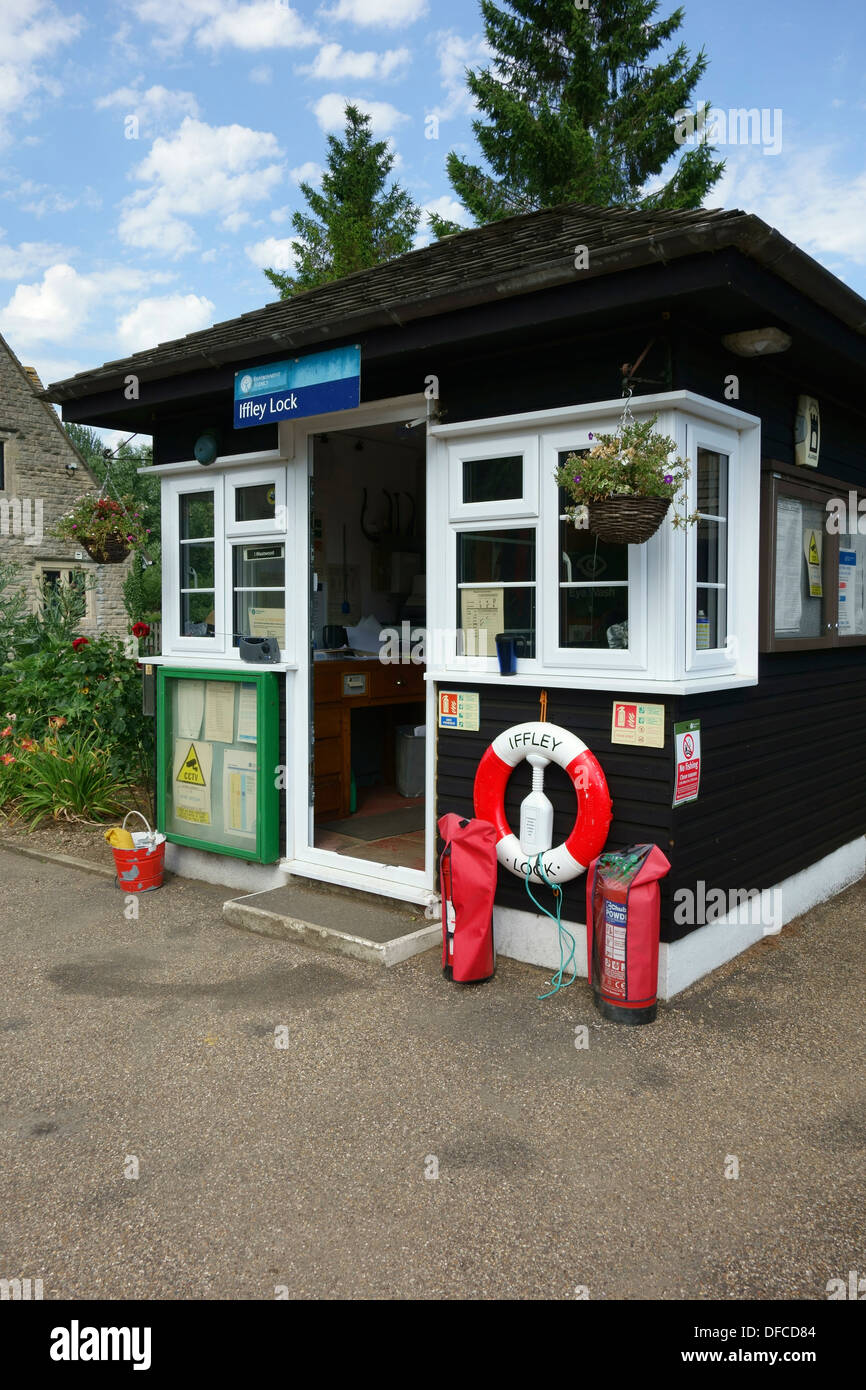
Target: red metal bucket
[[139, 870]]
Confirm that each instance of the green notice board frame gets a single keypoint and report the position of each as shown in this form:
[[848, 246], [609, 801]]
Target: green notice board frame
[[265, 841]]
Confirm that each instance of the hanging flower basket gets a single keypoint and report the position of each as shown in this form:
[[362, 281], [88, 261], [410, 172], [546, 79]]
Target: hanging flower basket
[[627, 520], [106, 529], [622, 488]]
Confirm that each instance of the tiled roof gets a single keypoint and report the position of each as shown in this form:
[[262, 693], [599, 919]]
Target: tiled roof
[[498, 261]]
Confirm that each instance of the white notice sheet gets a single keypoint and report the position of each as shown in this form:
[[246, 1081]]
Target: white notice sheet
[[190, 707], [239, 792], [219, 712], [247, 708], [789, 565]]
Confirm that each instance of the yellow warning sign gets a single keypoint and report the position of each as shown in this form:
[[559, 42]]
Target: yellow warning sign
[[812, 551], [814, 556], [190, 770]]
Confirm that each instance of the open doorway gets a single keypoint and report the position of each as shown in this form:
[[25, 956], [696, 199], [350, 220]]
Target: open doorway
[[368, 611]]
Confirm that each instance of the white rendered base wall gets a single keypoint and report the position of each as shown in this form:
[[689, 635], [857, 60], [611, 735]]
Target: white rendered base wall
[[529, 937], [224, 869]]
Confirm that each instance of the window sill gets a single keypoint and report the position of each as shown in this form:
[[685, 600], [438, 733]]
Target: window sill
[[206, 663], [584, 680]]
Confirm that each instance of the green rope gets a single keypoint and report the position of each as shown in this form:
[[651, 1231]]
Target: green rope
[[557, 981]]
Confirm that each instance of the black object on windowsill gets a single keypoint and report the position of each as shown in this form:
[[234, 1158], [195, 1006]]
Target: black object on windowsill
[[261, 650]]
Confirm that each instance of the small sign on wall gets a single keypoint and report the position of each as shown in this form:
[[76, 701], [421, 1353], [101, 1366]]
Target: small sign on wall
[[640, 725], [459, 709], [687, 761]]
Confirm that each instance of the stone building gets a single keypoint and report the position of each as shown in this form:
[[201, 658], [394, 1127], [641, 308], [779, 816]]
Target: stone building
[[42, 475]]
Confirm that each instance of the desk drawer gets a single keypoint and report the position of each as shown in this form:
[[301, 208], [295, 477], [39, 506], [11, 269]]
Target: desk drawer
[[326, 683], [388, 681]]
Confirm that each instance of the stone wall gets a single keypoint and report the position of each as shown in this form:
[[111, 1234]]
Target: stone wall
[[36, 452]]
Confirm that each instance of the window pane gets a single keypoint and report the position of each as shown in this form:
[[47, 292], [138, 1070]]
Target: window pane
[[596, 617], [799, 612], [493, 480], [488, 556], [196, 516], [197, 566], [712, 619], [583, 557], [259, 566], [517, 620], [712, 552], [197, 615], [255, 503], [260, 613], [712, 481]]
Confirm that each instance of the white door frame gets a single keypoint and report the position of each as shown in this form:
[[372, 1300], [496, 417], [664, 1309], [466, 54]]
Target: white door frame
[[302, 857]]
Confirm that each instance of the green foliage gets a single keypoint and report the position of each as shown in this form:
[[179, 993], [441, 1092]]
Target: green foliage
[[357, 222], [142, 588], [636, 462], [13, 608], [93, 686], [572, 110], [62, 777]]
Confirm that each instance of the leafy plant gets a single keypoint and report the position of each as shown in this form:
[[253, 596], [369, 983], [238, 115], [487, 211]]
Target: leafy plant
[[636, 462], [61, 778], [13, 608]]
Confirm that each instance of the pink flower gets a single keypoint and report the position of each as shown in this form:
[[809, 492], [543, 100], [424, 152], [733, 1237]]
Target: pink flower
[[6, 758], [5, 733]]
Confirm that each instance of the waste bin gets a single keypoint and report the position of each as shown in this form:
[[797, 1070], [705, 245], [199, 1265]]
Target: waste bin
[[411, 745]]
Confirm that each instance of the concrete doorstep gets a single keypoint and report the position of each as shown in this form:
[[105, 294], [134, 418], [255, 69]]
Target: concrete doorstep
[[378, 930]]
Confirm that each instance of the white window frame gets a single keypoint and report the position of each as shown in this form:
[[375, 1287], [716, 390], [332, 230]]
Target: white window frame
[[256, 477], [702, 435], [173, 490], [67, 568], [496, 446], [469, 663], [555, 656], [261, 539]]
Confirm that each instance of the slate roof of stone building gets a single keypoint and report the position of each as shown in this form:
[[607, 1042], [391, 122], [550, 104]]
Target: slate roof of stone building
[[501, 260]]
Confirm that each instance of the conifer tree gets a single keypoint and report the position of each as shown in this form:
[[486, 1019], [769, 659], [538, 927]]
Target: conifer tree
[[578, 105], [354, 221]]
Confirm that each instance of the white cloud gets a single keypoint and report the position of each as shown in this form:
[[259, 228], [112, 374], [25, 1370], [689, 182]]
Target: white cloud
[[157, 108], [307, 173], [42, 198], [30, 34], [162, 318], [217, 24], [330, 112], [828, 224], [274, 253], [334, 63], [456, 54], [391, 14], [58, 308], [16, 262], [261, 75], [202, 171]]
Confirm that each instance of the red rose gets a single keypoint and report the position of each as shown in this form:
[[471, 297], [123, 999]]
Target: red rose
[[80, 642], [141, 629]]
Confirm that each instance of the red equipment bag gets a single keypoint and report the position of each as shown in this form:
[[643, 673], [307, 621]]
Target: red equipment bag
[[467, 876], [622, 932]]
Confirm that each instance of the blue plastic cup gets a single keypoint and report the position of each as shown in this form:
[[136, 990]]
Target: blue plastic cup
[[506, 650]]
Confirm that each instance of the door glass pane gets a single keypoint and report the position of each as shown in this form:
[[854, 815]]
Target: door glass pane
[[196, 516], [255, 503], [493, 480]]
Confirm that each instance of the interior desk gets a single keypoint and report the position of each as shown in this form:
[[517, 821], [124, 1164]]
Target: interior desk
[[340, 686]]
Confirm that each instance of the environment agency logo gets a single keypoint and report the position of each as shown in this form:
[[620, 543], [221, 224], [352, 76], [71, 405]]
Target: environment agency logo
[[246, 383]]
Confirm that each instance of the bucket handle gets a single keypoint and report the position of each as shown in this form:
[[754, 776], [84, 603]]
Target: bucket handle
[[140, 816]]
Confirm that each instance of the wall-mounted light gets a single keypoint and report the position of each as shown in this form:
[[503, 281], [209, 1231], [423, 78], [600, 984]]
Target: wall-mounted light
[[72, 467], [757, 342], [207, 446]]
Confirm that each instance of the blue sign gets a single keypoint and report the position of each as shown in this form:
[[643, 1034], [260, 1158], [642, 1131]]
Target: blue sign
[[312, 385]]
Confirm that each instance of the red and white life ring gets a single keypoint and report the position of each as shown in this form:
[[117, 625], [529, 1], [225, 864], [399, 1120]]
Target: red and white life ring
[[594, 810]]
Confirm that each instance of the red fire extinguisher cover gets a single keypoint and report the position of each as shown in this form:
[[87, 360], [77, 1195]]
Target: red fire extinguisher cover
[[467, 874], [622, 925]]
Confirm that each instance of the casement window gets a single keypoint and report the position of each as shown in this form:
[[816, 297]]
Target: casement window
[[814, 571], [51, 577], [680, 610], [224, 559]]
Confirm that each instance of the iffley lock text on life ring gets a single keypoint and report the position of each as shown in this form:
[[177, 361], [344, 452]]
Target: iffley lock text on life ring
[[594, 810]]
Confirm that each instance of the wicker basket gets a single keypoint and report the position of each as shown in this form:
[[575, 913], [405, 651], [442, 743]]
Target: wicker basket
[[107, 552], [627, 520]]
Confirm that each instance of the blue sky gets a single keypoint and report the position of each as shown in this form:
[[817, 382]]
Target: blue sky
[[109, 244]]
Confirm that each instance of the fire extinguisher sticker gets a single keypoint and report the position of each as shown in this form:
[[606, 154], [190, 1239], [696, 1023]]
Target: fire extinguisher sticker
[[450, 923], [613, 960]]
